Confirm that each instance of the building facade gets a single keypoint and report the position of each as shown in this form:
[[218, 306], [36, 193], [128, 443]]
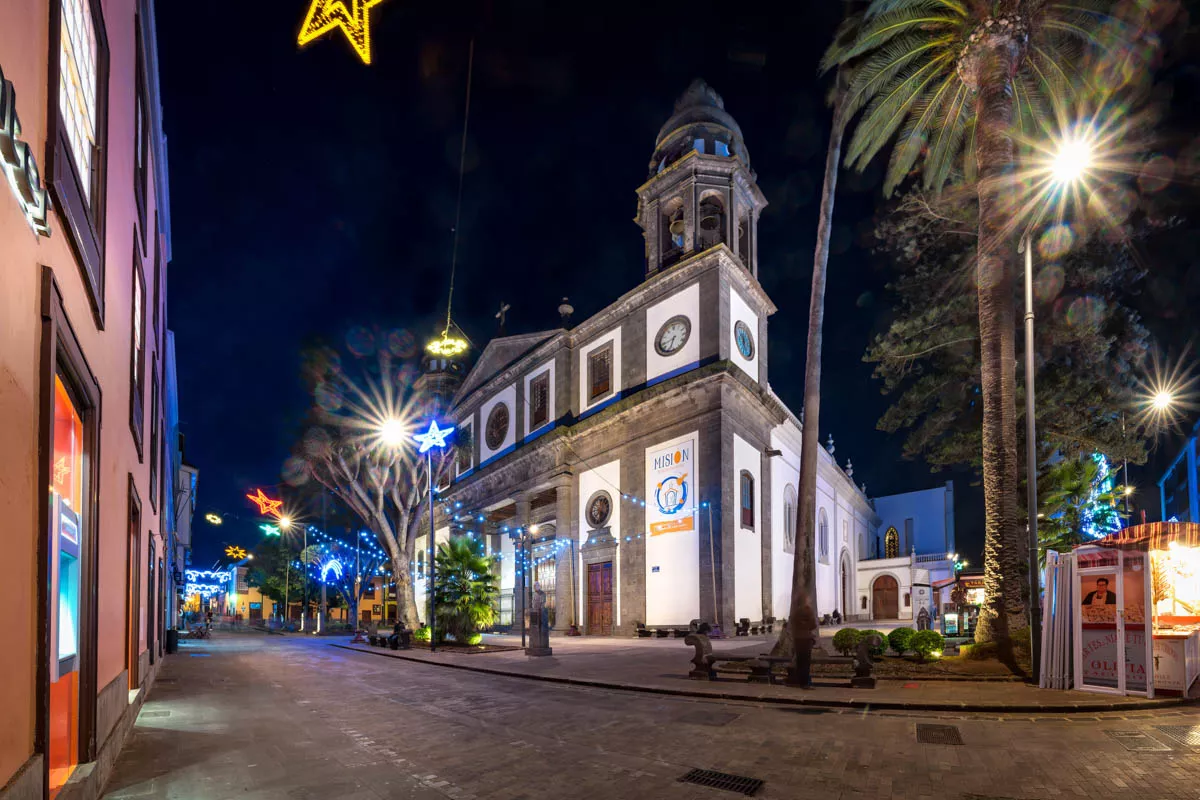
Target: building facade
[[84, 472], [908, 556], [1179, 495], [637, 467]]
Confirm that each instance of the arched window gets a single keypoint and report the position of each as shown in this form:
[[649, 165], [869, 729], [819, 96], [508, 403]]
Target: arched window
[[712, 220], [891, 543], [747, 500], [789, 519], [823, 536]]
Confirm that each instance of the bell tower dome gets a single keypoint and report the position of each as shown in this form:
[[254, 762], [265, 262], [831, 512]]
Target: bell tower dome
[[701, 191]]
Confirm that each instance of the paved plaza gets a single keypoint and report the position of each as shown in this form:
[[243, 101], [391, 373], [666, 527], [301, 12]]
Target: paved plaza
[[254, 716]]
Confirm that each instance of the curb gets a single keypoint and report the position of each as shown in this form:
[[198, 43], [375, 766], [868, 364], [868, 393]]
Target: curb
[[888, 705]]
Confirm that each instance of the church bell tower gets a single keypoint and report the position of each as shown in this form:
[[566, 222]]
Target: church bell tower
[[701, 191]]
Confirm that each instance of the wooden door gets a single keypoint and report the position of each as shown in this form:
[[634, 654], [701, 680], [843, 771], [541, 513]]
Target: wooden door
[[599, 618], [885, 595]]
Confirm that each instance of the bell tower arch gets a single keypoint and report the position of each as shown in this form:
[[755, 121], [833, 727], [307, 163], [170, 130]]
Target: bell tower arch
[[701, 191]]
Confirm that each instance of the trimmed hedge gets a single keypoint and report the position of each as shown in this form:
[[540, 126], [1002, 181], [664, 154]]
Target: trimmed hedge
[[900, 640], [421, 634], [845, 640], [925, 642], [876, 652]]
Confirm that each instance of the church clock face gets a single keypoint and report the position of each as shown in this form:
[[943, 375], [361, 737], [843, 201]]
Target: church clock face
[[673, 335], [744, 339]]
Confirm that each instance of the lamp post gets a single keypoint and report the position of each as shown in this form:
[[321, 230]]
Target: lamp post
[[1071, 161], [433, 437]]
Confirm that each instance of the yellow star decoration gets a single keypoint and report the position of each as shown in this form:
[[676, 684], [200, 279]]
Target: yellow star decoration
[[325, 15]]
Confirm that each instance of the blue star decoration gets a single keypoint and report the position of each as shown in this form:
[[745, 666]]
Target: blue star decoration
[[434, 437]]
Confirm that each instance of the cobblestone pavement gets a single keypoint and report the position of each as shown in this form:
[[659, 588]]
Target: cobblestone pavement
[[250, 716]]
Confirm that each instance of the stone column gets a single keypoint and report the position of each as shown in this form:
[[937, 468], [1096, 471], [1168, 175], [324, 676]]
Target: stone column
[[524, 503], [567, 541]]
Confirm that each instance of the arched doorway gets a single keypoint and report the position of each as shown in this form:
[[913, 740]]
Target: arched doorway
[[885, 598], [847, 593]]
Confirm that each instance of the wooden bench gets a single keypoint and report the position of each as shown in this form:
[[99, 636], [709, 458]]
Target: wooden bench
[[704, 662]]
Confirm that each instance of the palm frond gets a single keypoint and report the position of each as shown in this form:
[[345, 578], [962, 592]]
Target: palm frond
[[914, 136], [887, 111], [948, 142], [879, 7], [883, 65], [881, 30]]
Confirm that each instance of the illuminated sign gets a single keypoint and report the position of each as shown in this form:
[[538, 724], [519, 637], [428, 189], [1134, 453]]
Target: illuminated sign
[[18, 164], [334, 566], [196, 575], [670, 471], [265, 504], [434, 437], [203, 589], [352, 16], [233, 551], [268, 529]]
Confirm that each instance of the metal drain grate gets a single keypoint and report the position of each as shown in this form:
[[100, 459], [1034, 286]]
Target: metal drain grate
[[1184, 734], [1138, 742], [723, 780], [938, 734]]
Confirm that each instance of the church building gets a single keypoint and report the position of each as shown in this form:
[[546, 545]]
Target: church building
[[637, 466]]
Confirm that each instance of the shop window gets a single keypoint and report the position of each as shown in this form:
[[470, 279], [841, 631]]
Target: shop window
[[141, 138], [747, 496], [66, 488], [78, 133], [539, 401], [133, 588]]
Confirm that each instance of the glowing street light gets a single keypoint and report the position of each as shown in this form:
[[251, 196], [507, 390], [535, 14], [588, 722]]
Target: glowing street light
[[1072, 160], [1162, 401], [393, 432]]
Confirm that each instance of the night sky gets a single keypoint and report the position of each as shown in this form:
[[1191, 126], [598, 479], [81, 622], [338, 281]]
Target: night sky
[[311, 194]]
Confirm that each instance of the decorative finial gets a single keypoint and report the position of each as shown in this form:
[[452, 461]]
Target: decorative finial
[[502, 314], [829, 444], [864, 487], [565, 310], [849, 468]]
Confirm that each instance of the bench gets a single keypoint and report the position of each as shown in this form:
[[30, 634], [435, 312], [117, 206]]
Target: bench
[[404, 641], [704, 662]]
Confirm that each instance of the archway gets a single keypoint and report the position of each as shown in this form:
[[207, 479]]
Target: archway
[[847, 589], [885, 598]]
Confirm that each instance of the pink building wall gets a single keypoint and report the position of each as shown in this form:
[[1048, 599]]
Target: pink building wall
[[26, 48]]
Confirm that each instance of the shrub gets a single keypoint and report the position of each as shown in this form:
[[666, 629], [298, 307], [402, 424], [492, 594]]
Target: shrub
[[900, 640], [980, 652], [845, 640], [925, 642], [421, 634], [475, 638], [876, 652], [466, 590]]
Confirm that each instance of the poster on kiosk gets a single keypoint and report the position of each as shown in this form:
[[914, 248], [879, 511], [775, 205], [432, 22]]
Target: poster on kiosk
[[1112, 628]]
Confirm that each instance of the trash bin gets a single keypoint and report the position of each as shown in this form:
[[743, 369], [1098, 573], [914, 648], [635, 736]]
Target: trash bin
[[172, 640]]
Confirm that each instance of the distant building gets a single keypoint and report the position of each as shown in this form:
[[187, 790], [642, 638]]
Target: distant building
[[908, 553], [1177, 488]]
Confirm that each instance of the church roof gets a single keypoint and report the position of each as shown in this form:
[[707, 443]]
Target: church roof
[[497, 355]]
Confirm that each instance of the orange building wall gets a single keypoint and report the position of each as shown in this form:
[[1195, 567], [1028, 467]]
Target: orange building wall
[[24, 49]]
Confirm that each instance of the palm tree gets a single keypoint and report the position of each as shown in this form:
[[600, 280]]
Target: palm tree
[[1078, 503], [951, 80], [466, 591]]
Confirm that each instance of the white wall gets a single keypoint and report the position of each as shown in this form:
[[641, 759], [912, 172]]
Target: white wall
[[928, 510], [614, 336], [605, 477], [553, 415], [739, 309], [419, 588], [685, 303], [826, 570], [673, 592], [785, 470], [747, 551], [508, 396]]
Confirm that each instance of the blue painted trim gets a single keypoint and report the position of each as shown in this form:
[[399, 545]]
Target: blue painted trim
[[603, 405], [498, 454], [546, 428], [666, 376], [464, 473]]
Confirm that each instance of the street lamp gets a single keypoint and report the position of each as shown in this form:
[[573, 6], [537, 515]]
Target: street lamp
[[433, 438], [1069, 164]]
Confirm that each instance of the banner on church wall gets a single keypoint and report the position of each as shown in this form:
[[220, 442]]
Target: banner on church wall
[[671, 486]]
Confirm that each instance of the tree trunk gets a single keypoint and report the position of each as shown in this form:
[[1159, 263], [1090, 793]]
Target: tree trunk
[[406, 602], [1005, 550], [803, 567]]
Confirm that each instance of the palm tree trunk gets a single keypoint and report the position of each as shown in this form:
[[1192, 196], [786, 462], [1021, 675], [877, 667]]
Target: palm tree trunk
[[1005, 551], [804, 588]]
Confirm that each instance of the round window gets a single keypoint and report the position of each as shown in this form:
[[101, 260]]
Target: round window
[[599, 509], [744, 339], [497, 426]]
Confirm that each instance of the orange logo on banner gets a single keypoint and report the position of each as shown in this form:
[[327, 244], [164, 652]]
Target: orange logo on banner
[[672, 526]]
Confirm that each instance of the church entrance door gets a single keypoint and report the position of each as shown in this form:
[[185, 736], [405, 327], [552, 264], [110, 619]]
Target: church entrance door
[[885, 598], [599, 596]]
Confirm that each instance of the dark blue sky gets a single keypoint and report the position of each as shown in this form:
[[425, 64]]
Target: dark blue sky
[[312, 193]]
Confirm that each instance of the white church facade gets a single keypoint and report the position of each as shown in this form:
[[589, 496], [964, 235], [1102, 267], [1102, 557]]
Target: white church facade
[[637, 466]]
